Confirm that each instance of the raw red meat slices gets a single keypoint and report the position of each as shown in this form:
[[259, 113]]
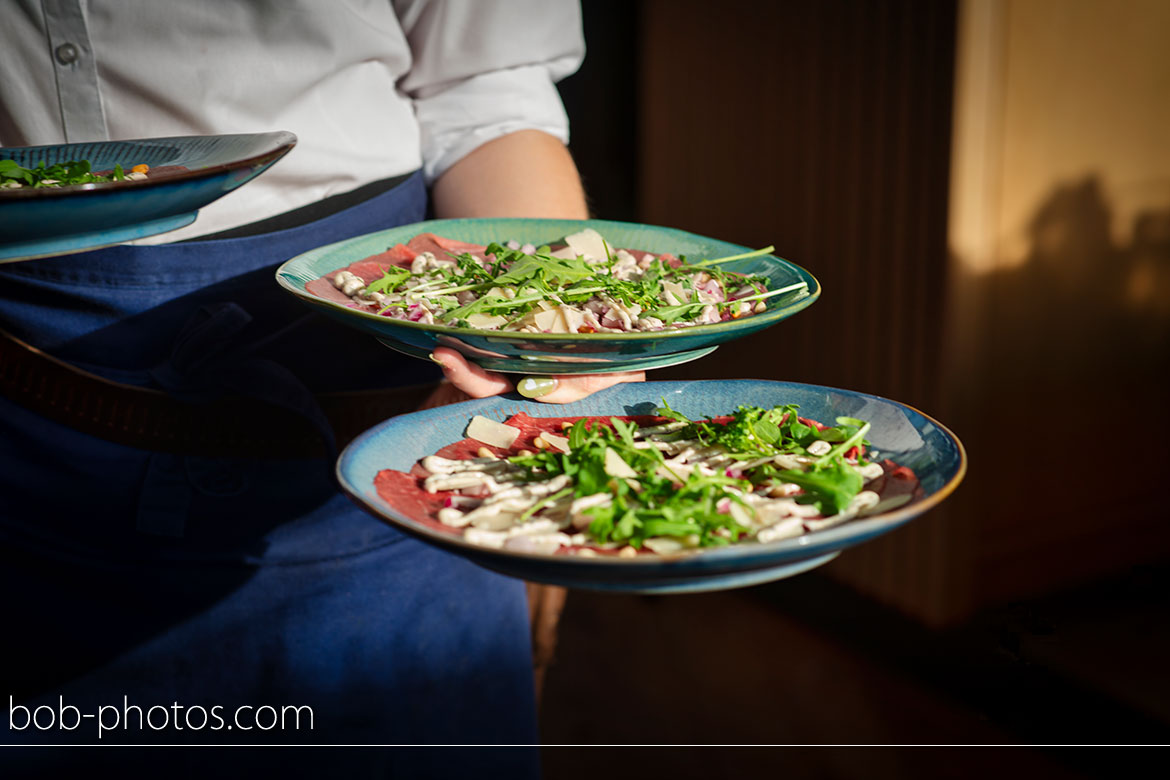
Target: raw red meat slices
[[323, 288], [402, 491], [371, 268], [443, 248], [399, 254]]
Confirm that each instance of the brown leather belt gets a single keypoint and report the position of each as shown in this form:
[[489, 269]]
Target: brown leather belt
[[150, 419]]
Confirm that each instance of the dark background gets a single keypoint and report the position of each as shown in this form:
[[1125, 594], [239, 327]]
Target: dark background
[[1031, 608]]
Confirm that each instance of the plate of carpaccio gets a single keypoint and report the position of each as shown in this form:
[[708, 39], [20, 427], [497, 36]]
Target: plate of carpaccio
[[550, 296], [656, 487]]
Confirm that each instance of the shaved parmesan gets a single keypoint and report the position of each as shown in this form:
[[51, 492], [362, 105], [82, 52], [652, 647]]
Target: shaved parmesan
[[550, 320], [486, 321], [616, 467], [663, 545], [742, 515], [574, 319], [589, 244], [491, 432], [556, 442], [676, 290], [785, 529], [676, 472]]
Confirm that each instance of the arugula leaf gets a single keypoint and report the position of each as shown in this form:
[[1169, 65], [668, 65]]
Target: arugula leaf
[[601, 528], [767, 431], [670, 528], [856, 438], [472, 271], [833, 486], [834, 434], [541, 504], [483, 304], [625, 430], [666, 411], [627, 526], [393, 276], [542, 267], [577, 435], [800, 432], [669, 314], [744, 256]]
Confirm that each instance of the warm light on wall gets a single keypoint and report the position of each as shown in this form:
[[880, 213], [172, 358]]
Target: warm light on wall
[[1051, 94], [977, 137], [1059, 295]]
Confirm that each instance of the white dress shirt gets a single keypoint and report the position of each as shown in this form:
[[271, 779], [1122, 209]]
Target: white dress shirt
[[372, 88]]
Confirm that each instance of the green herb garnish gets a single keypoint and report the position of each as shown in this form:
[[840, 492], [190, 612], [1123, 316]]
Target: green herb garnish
[[661, 502], [57, 175]]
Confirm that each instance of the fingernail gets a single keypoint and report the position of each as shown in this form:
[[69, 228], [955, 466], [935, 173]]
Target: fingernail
[[536, 386], [442, 365]]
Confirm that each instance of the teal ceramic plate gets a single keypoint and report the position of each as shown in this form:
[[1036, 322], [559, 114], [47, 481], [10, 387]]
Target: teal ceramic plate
[[195, 170], [899, 432], [541, 364], [553, 353]]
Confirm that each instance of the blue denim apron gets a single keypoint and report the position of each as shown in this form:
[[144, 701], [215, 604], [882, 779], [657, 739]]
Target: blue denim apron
[[232, 582]]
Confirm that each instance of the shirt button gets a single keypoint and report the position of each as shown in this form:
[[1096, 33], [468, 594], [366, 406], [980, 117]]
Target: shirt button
[[67, 54]]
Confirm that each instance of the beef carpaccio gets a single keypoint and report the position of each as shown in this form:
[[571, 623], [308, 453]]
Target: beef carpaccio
[[579, 287], [629, 486]]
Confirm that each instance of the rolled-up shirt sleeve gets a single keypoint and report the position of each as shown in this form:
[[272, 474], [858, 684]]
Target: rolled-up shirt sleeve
[[483, 69]]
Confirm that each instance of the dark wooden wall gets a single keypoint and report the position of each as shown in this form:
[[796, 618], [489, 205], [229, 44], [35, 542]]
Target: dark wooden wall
[[822, 128]]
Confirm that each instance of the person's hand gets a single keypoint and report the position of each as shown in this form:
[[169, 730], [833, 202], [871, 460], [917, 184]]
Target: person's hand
[[478, 383]]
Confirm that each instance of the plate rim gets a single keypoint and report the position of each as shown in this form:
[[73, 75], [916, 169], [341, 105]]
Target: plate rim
[[281, 142], [548, 367], [18, 251]]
